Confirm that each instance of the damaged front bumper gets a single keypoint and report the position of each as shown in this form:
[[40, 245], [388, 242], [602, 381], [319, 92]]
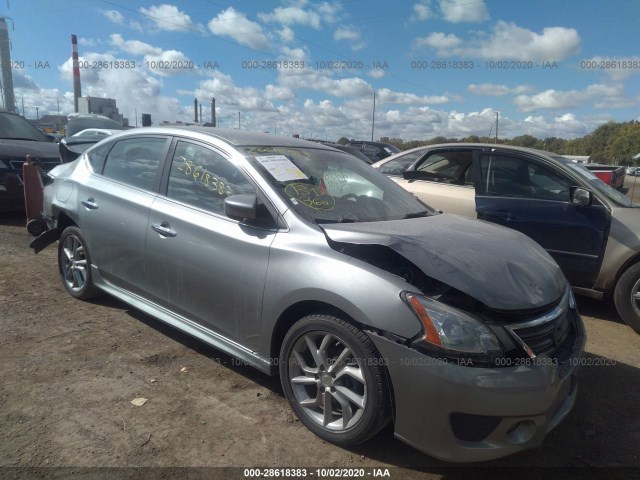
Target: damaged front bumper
[[460, 413]]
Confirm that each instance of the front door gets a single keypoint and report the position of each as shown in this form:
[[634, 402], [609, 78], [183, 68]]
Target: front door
[[529, 195], [207, 267]]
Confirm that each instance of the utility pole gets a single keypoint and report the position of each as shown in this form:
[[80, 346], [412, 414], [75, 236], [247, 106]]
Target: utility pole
[[496, 127], [136, 115], [373, 115]]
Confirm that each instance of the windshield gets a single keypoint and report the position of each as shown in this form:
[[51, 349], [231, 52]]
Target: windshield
[[327, 186], [596, 184], [17, 128]]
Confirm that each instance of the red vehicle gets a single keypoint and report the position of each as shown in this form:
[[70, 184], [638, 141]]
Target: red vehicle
[[610, 174]]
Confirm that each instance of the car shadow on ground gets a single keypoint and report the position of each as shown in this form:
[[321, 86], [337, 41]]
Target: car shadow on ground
[[601, 430], [600, 309]]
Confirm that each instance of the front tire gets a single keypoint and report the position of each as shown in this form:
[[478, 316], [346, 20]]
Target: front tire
[[74, 263], [627, 297], [334, 379]]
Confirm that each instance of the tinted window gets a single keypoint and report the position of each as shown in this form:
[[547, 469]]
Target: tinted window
[[135, 161], [203, 178], [398, 165], [517, 177]]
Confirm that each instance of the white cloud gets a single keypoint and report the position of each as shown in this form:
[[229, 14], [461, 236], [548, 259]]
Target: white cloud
[[388, 96], [351, 35], [234, 24], [134, 47], [167, 17], [422, 10], [508, 41], [286, 34], [229, 96], [87, 42], [456, 11], [603, 96], [305, 14], [292, 16], [496, 90], [376, 73], [113, 16], [439, 41]]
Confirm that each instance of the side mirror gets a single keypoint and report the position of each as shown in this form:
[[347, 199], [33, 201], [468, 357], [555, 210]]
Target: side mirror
[[415, 175], [241, 207], [581, 196]]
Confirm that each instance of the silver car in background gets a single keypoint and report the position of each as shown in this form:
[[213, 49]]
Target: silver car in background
[[304, 262]]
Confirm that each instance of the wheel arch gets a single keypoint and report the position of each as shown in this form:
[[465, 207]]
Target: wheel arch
[[302, 309]]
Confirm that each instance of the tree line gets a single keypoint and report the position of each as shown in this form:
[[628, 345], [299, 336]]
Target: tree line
[[613, 143]]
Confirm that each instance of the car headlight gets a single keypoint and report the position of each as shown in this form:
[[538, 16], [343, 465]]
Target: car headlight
[[452, 332]]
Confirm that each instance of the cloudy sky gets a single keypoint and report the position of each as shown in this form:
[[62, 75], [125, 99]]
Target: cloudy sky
[[435, 67]]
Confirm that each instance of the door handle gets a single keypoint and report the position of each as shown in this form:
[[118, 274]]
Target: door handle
[[164, 229], [89, 203]]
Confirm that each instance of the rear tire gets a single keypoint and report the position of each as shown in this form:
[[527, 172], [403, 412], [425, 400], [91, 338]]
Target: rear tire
[[626, 297], [334, 379], [74, 263]]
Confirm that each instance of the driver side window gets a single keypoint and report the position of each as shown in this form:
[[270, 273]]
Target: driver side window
[[504, 176]]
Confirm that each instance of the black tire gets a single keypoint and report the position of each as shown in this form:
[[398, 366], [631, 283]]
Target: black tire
[[74, 264], [627, 297], [360, 408]]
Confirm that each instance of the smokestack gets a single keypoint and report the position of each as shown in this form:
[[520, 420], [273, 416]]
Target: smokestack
[[195, 109], [5, 66], [77, 92], [213, 111]]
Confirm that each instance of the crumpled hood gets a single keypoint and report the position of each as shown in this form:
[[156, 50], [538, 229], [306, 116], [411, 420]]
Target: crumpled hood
[[500, 267]]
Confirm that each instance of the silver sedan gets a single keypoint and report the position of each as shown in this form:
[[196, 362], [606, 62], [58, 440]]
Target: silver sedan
[[304, 262]]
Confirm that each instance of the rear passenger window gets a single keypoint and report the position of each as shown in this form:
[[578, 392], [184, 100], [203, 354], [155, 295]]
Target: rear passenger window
[[98, 155], [135, 161], [203, 178]]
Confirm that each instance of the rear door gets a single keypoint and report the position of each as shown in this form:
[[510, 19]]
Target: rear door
[[529, 194], [206, 266], [114, 206]]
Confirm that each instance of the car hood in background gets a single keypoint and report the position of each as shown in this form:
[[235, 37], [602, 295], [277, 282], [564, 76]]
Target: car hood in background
[[499, 267]]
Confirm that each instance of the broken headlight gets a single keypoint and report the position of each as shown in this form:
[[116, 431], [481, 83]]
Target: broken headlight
[[452, 333]]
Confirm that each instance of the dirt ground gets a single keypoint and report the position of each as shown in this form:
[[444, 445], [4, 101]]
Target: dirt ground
[[71, 369]]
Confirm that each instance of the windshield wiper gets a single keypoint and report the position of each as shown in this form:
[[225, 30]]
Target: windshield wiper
[[425, 213], [335, 220]]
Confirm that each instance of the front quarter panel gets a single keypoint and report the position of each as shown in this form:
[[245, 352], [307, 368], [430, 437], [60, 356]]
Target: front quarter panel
[[303, 268]]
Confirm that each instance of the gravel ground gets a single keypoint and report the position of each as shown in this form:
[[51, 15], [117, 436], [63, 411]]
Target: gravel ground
[[71, 369]]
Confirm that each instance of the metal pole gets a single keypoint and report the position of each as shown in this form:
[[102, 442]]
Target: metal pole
[[373, 115], [496, 127]]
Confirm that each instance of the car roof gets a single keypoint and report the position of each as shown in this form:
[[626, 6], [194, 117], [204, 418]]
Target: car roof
[[435, 146], [231, 136]]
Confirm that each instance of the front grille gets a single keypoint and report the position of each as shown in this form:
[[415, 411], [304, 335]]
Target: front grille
[[545, 334], [472, 428]]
